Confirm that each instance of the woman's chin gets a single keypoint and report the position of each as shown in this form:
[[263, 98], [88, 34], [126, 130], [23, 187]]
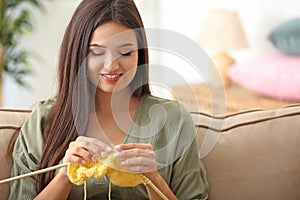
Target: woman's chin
[[110, 89]]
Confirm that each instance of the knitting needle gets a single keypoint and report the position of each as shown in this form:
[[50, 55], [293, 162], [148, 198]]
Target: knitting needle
[[149, 182], [33, 173]]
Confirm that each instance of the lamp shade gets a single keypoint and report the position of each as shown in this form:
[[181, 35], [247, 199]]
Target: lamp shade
[[222, 31]]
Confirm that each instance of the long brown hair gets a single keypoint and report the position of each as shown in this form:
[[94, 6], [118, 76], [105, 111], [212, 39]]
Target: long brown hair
[[74, 99]]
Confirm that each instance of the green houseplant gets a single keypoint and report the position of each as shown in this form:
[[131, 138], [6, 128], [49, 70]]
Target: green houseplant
[[15, 21]]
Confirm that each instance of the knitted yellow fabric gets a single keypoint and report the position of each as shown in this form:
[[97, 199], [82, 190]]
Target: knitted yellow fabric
[[119, 175]]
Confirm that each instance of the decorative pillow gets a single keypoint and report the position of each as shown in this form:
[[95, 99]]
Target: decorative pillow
[[274, 74], [286, 36]]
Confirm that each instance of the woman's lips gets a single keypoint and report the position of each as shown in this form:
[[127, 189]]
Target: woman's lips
[[111, 77]]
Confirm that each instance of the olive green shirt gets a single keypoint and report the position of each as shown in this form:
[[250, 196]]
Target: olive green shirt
[[165, 124]]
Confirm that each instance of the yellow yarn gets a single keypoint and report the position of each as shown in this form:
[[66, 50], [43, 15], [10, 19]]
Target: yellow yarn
[[118, 174], [79, 173], [125, 179]]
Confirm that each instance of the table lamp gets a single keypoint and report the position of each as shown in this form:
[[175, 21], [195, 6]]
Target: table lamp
[[221, 32]]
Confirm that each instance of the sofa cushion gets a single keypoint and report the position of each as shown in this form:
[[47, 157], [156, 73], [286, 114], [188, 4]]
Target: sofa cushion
[[257, 154], [10, 121]]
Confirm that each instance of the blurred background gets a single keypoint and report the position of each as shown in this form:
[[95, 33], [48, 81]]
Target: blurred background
[[258, 18]]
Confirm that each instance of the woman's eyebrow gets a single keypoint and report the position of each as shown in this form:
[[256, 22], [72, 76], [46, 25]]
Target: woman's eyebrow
[[97, 45], [126, 45], [121, 45]]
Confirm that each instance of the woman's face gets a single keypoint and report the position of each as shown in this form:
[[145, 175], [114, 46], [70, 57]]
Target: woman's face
[[113, 56]]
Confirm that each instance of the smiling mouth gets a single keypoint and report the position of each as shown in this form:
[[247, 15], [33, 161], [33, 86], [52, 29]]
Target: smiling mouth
[[111, 76]]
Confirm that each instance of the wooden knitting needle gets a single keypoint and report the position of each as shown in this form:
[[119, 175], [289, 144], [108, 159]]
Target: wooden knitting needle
[[149, 182], [33, 173]]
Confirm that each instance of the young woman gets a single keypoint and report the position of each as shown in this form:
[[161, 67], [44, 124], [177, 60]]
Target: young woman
[[104, 105]]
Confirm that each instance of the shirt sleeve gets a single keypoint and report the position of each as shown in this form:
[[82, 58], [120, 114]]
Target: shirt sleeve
[[27, 152], [189, 176]]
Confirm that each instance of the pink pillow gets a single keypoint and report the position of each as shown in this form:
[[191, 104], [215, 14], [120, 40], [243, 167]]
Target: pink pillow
[[275, 74]]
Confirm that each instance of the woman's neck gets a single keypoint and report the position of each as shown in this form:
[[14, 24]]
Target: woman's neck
[[107, 103]]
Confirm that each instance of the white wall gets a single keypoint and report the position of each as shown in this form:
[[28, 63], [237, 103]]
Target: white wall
[[185, 17]]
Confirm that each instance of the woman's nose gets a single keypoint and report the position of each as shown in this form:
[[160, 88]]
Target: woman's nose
[[111, 62]]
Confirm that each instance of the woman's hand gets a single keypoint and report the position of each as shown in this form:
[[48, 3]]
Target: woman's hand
[[138, 157], [83, 149], [79, 151], [141, 158]]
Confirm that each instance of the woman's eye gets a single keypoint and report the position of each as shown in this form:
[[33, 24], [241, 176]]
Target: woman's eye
[[128, 53], [97, 53]]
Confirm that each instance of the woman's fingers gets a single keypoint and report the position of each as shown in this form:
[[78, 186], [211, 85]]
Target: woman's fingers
[[140, 164], [76, 153], [138, 157], [95, 147], [84, 148], [126, 154], [120, 147]]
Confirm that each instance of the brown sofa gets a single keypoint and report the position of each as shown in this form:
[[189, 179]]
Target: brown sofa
[[256, 156]]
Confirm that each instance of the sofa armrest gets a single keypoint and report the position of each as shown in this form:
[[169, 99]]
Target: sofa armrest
[[10, 121]]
